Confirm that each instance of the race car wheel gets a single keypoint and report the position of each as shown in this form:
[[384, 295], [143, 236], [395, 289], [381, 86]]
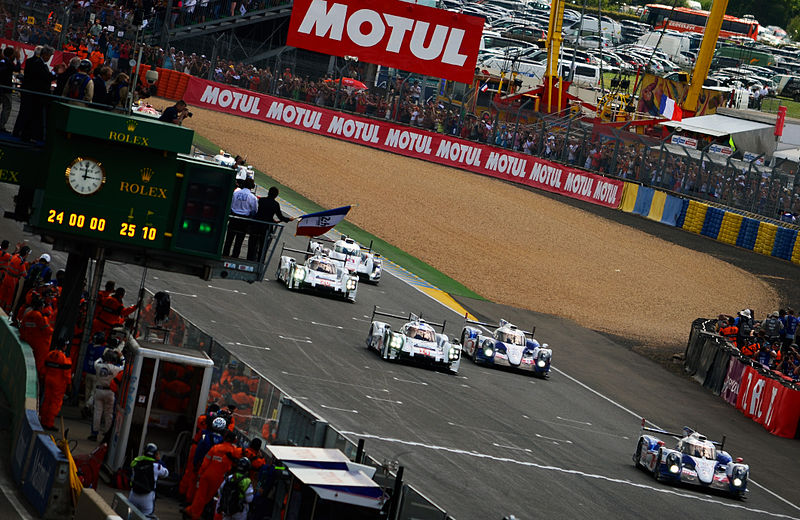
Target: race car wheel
[[464, 343], [637, 458], [656, 468]]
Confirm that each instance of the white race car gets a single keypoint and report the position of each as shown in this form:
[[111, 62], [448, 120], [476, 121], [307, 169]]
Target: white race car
[[416, 341], [364, 262], [223, 158], [508, 346], [318, 273], [695, 460]]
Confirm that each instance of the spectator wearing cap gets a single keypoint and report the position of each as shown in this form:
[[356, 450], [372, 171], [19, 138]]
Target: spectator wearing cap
[[744, 322]]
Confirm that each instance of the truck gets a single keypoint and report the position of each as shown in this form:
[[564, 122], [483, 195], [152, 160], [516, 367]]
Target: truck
[[746, 55], [673, 44]]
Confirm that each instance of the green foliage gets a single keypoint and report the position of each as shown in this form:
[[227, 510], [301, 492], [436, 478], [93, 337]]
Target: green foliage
[[793, 28], [773, 12]]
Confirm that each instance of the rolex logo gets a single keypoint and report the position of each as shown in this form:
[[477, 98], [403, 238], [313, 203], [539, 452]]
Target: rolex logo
[[131, 123], [147, 174]]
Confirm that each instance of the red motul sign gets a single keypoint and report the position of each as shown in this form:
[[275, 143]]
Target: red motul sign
[[411, 37]]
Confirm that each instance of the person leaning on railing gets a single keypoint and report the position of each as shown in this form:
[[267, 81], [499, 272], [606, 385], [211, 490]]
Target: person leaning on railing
[[9, 64]]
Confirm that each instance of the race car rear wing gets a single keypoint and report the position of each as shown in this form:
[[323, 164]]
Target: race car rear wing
[[686, 432], [411, 317], [330, 241], [306, 253], [491, 326]]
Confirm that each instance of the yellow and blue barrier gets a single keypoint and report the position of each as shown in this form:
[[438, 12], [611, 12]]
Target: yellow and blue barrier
[[726, 225]]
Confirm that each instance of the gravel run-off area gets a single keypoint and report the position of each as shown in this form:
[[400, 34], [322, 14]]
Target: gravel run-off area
[[510, 245]]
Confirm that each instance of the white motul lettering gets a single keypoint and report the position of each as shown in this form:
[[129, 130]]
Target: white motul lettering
[[768, 419], [370, 134], [289, 114], [247, 103], [349, 128], [275, 110], [237, 96], [444, 148], [755, 398], [404, 140], [491, 162], [225, 98], [434, 48], [586, 186], [210, 95], [335, 126], [357, 20], [399, 27], [324, 21], [392, 138], [456, 152], [451, 55], [254, 109], [423, 145], [300, 112]]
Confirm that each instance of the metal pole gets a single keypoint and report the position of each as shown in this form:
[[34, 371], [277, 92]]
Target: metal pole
[[165, 29], [94, 287], [135, 82], [394, 508]]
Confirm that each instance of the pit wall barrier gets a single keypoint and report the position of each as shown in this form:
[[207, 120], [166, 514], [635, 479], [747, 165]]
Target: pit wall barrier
[[264, 410], [720, 223], [38, 466], [765, 396]]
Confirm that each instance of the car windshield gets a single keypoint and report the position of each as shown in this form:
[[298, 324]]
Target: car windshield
[[421, 333], [698, 449], [511, 337], [348, 249], [322, 266]]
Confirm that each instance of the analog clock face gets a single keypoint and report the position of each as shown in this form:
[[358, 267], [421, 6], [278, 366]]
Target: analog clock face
[[85, 176]]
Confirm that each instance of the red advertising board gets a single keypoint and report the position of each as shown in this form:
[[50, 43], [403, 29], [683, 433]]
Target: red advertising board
[[769, 402], [27, 51], [403, 35], [409, 141]]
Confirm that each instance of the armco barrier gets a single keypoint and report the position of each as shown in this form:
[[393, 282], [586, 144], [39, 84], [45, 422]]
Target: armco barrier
[[17, 372], [765, 396]]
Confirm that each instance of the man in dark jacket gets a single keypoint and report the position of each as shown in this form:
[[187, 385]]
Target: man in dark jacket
[[63, 76], [269, 210], [30, 123], [9, 64]]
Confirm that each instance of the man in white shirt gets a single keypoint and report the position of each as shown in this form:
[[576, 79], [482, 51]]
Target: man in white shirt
[[244, 204]]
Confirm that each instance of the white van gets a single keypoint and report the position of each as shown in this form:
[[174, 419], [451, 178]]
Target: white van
[[531, 72], [672, 44]]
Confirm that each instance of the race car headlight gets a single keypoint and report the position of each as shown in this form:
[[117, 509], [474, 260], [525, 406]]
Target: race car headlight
[[541, 363], [351, 284], [673, 463], [488, 351], [454, 352], [737, 482], [299, 273], [395, 342], [674, 468]]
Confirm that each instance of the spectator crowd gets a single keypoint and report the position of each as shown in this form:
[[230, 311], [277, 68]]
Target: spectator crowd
[[771, 341]]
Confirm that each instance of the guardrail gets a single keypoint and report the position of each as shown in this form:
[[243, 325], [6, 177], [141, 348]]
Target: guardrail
[[766, 396]]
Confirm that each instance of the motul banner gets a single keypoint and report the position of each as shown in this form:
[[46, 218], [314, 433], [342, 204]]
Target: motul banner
[[409, 141], [768, 402], [407, 36]]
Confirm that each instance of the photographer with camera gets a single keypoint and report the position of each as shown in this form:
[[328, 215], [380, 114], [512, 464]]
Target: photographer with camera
[[176, 113]]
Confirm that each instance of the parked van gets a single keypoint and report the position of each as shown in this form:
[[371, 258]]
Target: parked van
[[787, 85], [672, 44], [746, 55], [531, 72]]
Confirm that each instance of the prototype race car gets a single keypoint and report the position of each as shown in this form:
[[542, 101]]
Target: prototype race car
[[318, 273], [695, 460], [416, 341], [364, 262], [508, 346]]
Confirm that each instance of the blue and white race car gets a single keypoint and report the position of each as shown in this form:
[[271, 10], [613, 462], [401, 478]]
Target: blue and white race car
[[415, 341], [366, 263], [508, 346], [318, 273], [695, 460]]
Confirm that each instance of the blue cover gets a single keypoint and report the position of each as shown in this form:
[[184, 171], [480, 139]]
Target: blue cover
[[44, 466], [29, 427], [673, 207], [748, 233], [713, 222], [682, 215], [784, 243], [644, 198]]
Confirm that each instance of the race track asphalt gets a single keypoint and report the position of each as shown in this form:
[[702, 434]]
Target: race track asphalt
[[487, 442]]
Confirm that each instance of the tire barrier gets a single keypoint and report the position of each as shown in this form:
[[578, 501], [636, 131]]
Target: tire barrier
[[766, 396], [723, 224]]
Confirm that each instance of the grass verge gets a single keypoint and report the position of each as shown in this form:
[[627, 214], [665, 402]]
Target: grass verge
[[396, 255]]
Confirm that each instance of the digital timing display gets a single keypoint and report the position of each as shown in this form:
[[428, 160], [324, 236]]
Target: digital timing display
[[125, 230]]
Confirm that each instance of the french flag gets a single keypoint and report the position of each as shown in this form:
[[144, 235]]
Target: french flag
[[485, 87], [670, 109], [319, 223]]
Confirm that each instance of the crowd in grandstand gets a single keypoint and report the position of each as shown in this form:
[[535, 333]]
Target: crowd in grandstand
[[770, 341]]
